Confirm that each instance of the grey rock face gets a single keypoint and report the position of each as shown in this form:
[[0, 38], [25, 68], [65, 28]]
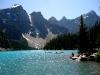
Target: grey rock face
[[16, 20], [73, 24], [16, 16]]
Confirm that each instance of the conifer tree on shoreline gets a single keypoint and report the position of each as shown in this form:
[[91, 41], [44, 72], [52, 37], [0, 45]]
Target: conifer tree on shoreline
[[83, 39]]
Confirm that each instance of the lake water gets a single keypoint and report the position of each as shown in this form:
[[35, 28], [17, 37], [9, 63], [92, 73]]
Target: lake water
[[45, 63]]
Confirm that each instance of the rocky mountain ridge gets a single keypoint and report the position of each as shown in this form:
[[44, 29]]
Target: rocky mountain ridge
[[37, 30], [73, 24], [17, 24]]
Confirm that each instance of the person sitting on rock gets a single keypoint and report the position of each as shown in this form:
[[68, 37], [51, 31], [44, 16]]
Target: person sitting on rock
[[72, 54]]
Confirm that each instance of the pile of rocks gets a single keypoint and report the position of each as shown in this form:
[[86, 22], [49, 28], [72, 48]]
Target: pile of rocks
[[84, 57]]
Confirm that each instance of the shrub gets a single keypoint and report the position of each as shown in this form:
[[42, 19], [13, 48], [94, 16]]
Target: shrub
[[97, 57]]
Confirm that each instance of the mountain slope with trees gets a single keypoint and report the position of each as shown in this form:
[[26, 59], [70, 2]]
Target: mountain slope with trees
[[18, 24], [4, 40], [85, 40]]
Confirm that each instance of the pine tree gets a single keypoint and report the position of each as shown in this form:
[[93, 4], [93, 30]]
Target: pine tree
[[83, 39]]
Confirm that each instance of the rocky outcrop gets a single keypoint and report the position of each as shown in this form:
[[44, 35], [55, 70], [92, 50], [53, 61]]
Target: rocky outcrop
[[84, 57], [41, 26]]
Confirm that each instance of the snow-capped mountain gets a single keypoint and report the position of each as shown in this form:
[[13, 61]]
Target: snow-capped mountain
[[14, 6], [16, 15], [33, 27], [73, 24], [37, 30]]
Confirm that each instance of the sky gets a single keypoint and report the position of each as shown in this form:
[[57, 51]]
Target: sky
[[57, 8]]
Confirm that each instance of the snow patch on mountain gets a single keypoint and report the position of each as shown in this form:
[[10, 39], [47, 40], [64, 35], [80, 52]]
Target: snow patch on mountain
[[26, 38], [85, 17], [92, 12], [36, 30], [14, 6], [30, 32], [4, 20], [30, 20], [8, 13]]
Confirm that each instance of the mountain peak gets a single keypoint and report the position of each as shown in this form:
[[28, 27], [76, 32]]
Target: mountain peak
[[37, 16], [39, 13], [15, 5], [64, 18], [52, 18], [91, 12]]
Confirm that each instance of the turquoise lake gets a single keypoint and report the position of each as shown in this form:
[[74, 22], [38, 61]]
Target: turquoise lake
[[39, 62]]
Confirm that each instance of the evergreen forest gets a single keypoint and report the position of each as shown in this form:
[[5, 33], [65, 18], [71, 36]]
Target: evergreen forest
[[7, 43], [84, 40]]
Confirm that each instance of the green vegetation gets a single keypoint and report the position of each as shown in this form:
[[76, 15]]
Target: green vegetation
[[62, 42], [85, 40], [4, 40], [20, 45], [97, 57], [6, 43], [82, 35]]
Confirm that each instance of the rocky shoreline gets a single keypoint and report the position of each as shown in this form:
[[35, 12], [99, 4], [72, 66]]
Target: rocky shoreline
[[84, 57], [4, 49]]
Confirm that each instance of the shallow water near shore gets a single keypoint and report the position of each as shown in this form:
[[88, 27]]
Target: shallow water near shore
[[39, 62]]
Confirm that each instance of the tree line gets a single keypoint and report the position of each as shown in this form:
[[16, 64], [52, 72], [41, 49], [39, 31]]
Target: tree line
[[84, 40], [6, 42]]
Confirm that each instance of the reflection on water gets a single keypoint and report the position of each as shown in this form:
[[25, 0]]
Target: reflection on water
[[45, 63]]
